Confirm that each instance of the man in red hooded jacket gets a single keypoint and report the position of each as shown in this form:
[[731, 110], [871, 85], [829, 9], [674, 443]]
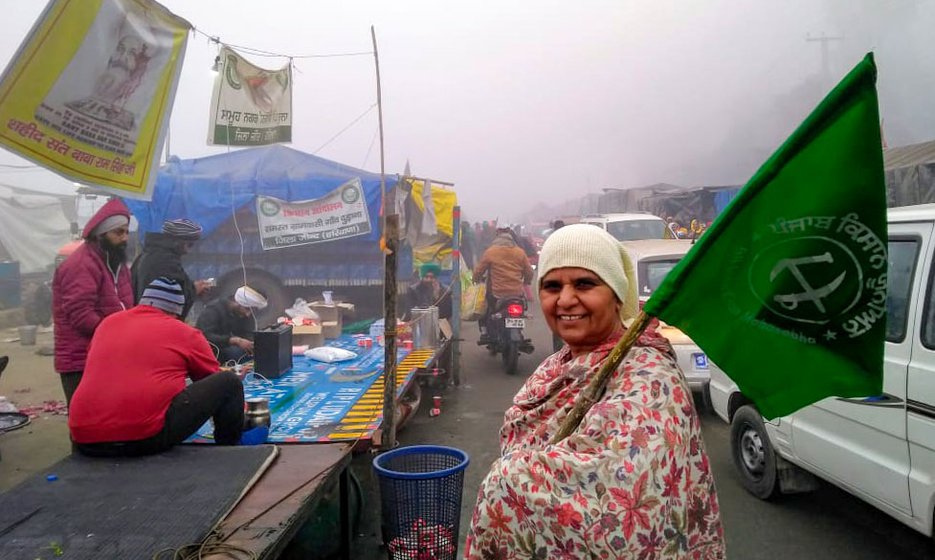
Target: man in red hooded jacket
[[92, 283]]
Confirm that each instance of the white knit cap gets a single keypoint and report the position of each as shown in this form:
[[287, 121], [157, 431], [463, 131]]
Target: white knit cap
[[592, 248], [248, 297]]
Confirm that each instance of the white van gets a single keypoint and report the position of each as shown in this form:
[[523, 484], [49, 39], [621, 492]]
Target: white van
[[627, 227], [880, 448], [653, 259]]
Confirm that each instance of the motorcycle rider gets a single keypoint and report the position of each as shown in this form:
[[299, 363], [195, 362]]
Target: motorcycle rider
[[507, 268]]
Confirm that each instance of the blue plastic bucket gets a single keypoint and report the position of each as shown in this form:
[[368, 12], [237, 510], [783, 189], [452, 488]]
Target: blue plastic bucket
[[420, 496]]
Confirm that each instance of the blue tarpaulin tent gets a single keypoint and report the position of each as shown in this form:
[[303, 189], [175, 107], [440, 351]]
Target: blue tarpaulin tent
[[211, 189], [206, 189]]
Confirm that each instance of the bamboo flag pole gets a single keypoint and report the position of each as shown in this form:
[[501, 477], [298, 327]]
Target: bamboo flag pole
[[598, 384], [390, 231]]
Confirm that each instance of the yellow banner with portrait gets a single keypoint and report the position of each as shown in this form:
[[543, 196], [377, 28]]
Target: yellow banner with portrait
[[89, 92]]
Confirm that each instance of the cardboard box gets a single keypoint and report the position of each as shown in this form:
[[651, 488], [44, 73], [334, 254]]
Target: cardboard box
[[312, 335], [326, 312], [334, 312], [331, 329]]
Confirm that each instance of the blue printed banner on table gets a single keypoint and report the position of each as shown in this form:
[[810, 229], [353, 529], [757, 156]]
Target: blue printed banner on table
[[317, 401]]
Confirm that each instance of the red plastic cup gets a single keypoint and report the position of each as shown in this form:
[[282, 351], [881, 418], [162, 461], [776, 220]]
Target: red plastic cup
[[437, 401]]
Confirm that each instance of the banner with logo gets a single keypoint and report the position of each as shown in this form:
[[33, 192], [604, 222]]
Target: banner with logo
[[340, 214], [787, 290], [89, 92], [250, 106]]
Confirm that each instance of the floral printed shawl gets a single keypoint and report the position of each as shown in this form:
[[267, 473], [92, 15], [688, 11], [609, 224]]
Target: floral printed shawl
[[632, 482]]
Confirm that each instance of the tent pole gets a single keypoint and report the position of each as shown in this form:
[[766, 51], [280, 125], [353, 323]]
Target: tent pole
[[390, 232]]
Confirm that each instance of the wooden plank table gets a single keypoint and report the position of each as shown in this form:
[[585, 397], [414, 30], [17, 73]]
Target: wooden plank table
[[271, 512]]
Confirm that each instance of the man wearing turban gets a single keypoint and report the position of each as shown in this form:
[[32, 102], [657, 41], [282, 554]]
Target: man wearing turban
[[92, 283], [229, 323]]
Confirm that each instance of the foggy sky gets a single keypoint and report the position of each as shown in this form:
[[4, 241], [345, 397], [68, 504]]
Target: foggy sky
[[520, 103]]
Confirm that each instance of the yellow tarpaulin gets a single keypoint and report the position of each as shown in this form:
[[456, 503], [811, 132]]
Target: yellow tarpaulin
[[434, 248], [444, 202]]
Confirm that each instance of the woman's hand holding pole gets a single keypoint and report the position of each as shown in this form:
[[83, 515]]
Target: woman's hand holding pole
[[599, 383]]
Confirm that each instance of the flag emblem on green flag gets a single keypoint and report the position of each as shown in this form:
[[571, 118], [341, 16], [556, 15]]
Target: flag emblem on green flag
[[786, 291]]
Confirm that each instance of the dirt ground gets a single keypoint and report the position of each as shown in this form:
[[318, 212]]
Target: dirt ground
[[31, 381]]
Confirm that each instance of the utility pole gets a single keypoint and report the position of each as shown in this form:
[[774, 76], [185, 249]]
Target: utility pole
[[825, 58]]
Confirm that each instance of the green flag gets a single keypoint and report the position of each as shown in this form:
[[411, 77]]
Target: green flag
[[786, 292]]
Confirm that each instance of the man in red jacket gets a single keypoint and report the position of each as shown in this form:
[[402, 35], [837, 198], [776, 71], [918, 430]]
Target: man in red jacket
[[90, 284], [133, 399]]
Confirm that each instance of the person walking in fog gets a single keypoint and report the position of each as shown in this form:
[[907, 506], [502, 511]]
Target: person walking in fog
[[507, 270], [633, 480], [92, 283]]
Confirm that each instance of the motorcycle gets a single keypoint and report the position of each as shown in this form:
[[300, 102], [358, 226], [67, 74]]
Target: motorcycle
[[505, 332]]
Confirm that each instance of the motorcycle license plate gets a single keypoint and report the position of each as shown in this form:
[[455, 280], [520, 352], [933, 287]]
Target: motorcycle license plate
[[515, 323]]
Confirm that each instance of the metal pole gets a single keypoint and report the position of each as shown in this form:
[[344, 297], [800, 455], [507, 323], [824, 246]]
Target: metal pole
[[455, 366], [391, 241]]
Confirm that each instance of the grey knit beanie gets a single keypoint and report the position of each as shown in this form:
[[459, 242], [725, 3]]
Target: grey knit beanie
[[592, 248], [165, 294]]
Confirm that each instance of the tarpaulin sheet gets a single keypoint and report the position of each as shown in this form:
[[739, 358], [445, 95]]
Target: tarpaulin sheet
[[207, 189], [34, 228], [319, 402]]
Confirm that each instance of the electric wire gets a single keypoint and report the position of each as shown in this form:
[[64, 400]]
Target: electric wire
[[261, 52], [369, 148], [230, 182], [343, 130]]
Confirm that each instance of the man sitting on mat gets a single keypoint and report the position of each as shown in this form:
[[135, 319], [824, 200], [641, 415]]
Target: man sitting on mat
[[133, 400], [228, 324]]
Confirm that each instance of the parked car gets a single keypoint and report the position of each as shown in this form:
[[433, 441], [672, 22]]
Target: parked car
[[880, 448], [628, 227], [653, 259]]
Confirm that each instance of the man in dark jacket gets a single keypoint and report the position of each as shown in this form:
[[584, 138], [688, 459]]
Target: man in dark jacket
[[428, 292], [228, 323], [162, 258], [92, 283]]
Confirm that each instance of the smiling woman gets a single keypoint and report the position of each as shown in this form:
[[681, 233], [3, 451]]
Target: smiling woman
[[579, 307], [633, 480]]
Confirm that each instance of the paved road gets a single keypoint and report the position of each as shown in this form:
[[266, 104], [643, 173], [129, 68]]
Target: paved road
[[827, 524]]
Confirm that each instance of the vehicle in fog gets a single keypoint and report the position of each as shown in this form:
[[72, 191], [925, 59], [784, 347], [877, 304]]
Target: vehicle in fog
[[653, 259], [880, 448], [628, 227]]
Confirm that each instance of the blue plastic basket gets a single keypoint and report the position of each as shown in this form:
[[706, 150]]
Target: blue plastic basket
[[420, 491]]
